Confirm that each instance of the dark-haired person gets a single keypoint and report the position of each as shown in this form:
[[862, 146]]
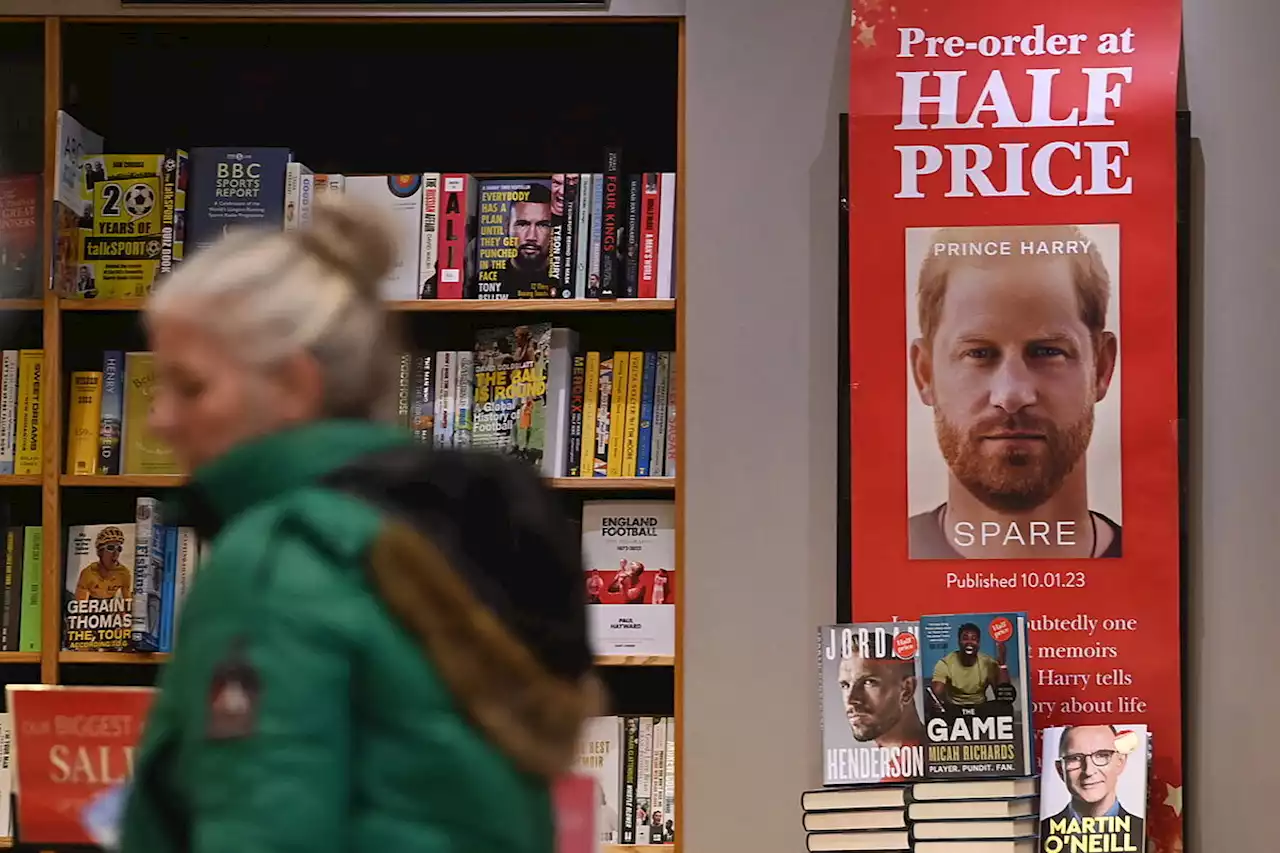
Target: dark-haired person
[[962, 677]]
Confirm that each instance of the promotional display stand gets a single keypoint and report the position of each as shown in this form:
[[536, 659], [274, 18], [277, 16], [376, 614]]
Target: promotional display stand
[[1014, 241]]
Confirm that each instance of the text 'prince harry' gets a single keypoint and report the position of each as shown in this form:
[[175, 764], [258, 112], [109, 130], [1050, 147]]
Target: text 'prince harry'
[[1012, 358]]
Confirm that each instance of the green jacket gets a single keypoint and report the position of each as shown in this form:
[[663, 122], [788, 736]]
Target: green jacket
[[336, 683]]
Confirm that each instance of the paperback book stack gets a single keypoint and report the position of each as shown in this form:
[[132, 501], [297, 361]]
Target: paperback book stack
[[928, 746], [930, 720]]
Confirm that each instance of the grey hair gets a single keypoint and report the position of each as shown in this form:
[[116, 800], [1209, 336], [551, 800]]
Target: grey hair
[[272, 294]]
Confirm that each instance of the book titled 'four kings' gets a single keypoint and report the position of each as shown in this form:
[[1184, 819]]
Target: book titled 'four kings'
[[943, 698]]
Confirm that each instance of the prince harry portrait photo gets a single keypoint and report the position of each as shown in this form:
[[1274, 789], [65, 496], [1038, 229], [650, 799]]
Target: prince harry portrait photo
[[1013, 401]]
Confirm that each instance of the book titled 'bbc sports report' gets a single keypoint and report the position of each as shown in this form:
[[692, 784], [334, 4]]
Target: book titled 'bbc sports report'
[[976, 698], [1093, 788], [870, 700]]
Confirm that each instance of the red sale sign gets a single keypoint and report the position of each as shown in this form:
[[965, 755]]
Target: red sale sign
[[70, 744], [1013, 343]]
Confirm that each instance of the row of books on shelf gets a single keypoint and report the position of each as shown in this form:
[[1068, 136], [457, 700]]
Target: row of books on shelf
[[125, 219], [125, 582], [928, 745], [525, 391], [632, 760]]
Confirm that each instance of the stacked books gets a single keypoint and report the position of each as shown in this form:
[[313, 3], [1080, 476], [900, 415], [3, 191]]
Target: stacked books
[[981, 816], [928, 746]]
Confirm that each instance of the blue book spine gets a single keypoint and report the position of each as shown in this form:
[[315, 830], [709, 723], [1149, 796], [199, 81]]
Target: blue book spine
[[648, 380], [168, 587], [111, 423]]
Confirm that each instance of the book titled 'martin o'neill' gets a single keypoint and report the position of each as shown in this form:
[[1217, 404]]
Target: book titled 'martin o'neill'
[[976, 697], [869, 700]]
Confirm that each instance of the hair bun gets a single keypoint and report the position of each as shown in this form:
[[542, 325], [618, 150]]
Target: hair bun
[[354, 239]]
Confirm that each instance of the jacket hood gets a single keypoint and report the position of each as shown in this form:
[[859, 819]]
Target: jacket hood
[[476, 559], [480, 563]]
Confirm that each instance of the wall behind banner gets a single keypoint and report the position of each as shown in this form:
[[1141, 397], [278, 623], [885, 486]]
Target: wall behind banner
[[766, 82]]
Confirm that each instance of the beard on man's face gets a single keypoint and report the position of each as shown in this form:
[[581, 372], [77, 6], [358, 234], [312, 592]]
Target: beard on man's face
[[1013, 479]]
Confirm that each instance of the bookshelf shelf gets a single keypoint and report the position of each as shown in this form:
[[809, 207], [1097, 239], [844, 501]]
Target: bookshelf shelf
[[121, 481], [21, 304], [124, 481], [621, 484], [112, 657], [430, 306], [20, 480], [19, 657], [157, 658], [635, 660]]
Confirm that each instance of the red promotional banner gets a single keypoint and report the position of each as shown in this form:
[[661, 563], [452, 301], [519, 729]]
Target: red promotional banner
[[1013, 343], [70, 744]]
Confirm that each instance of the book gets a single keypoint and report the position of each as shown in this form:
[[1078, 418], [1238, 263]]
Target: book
[[98, 587], [629, 551], [870, 703], [1093, 788], [977, 702]]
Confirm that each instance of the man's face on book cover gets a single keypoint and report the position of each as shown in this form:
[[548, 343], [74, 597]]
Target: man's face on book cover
[[875, 694], [1090, 764]]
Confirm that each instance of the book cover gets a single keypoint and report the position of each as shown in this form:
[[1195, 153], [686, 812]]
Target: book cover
[[513, 251], [1093, 788], [599, 748], [122, 225], [870, 703], [629, 549], [19, 236], [98, 612], [977, 703], [399, 198], [231, 188], [509, 404]]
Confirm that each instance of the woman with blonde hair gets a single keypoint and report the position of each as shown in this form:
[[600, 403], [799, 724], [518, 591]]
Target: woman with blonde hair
[[386, 646]]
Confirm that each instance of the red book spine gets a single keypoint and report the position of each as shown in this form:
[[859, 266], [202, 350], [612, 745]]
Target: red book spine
[[455, 201], [650, 222]]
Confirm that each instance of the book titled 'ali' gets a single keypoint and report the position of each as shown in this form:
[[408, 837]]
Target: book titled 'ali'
[[870, 703], [976, 698], [1093, 788]]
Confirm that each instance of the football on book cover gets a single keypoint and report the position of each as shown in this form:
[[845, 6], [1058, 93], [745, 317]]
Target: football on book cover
[[870, 703], [977, 707], [1093, 789]]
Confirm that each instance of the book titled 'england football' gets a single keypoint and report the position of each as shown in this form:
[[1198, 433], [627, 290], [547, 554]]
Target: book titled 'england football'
[[870, 703], [976, 695]]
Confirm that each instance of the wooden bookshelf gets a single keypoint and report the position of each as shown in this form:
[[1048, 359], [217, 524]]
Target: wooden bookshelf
[[118, 658], [81, 59], [163, 481], [436, 306]]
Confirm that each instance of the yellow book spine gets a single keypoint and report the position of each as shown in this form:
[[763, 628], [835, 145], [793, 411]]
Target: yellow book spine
[[84, 422], [28, 455], [618, 411], [144, 453], [631, 419], [590, 400]]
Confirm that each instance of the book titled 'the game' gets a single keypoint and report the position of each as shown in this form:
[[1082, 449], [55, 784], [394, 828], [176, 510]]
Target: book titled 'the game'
[[976, 696]]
